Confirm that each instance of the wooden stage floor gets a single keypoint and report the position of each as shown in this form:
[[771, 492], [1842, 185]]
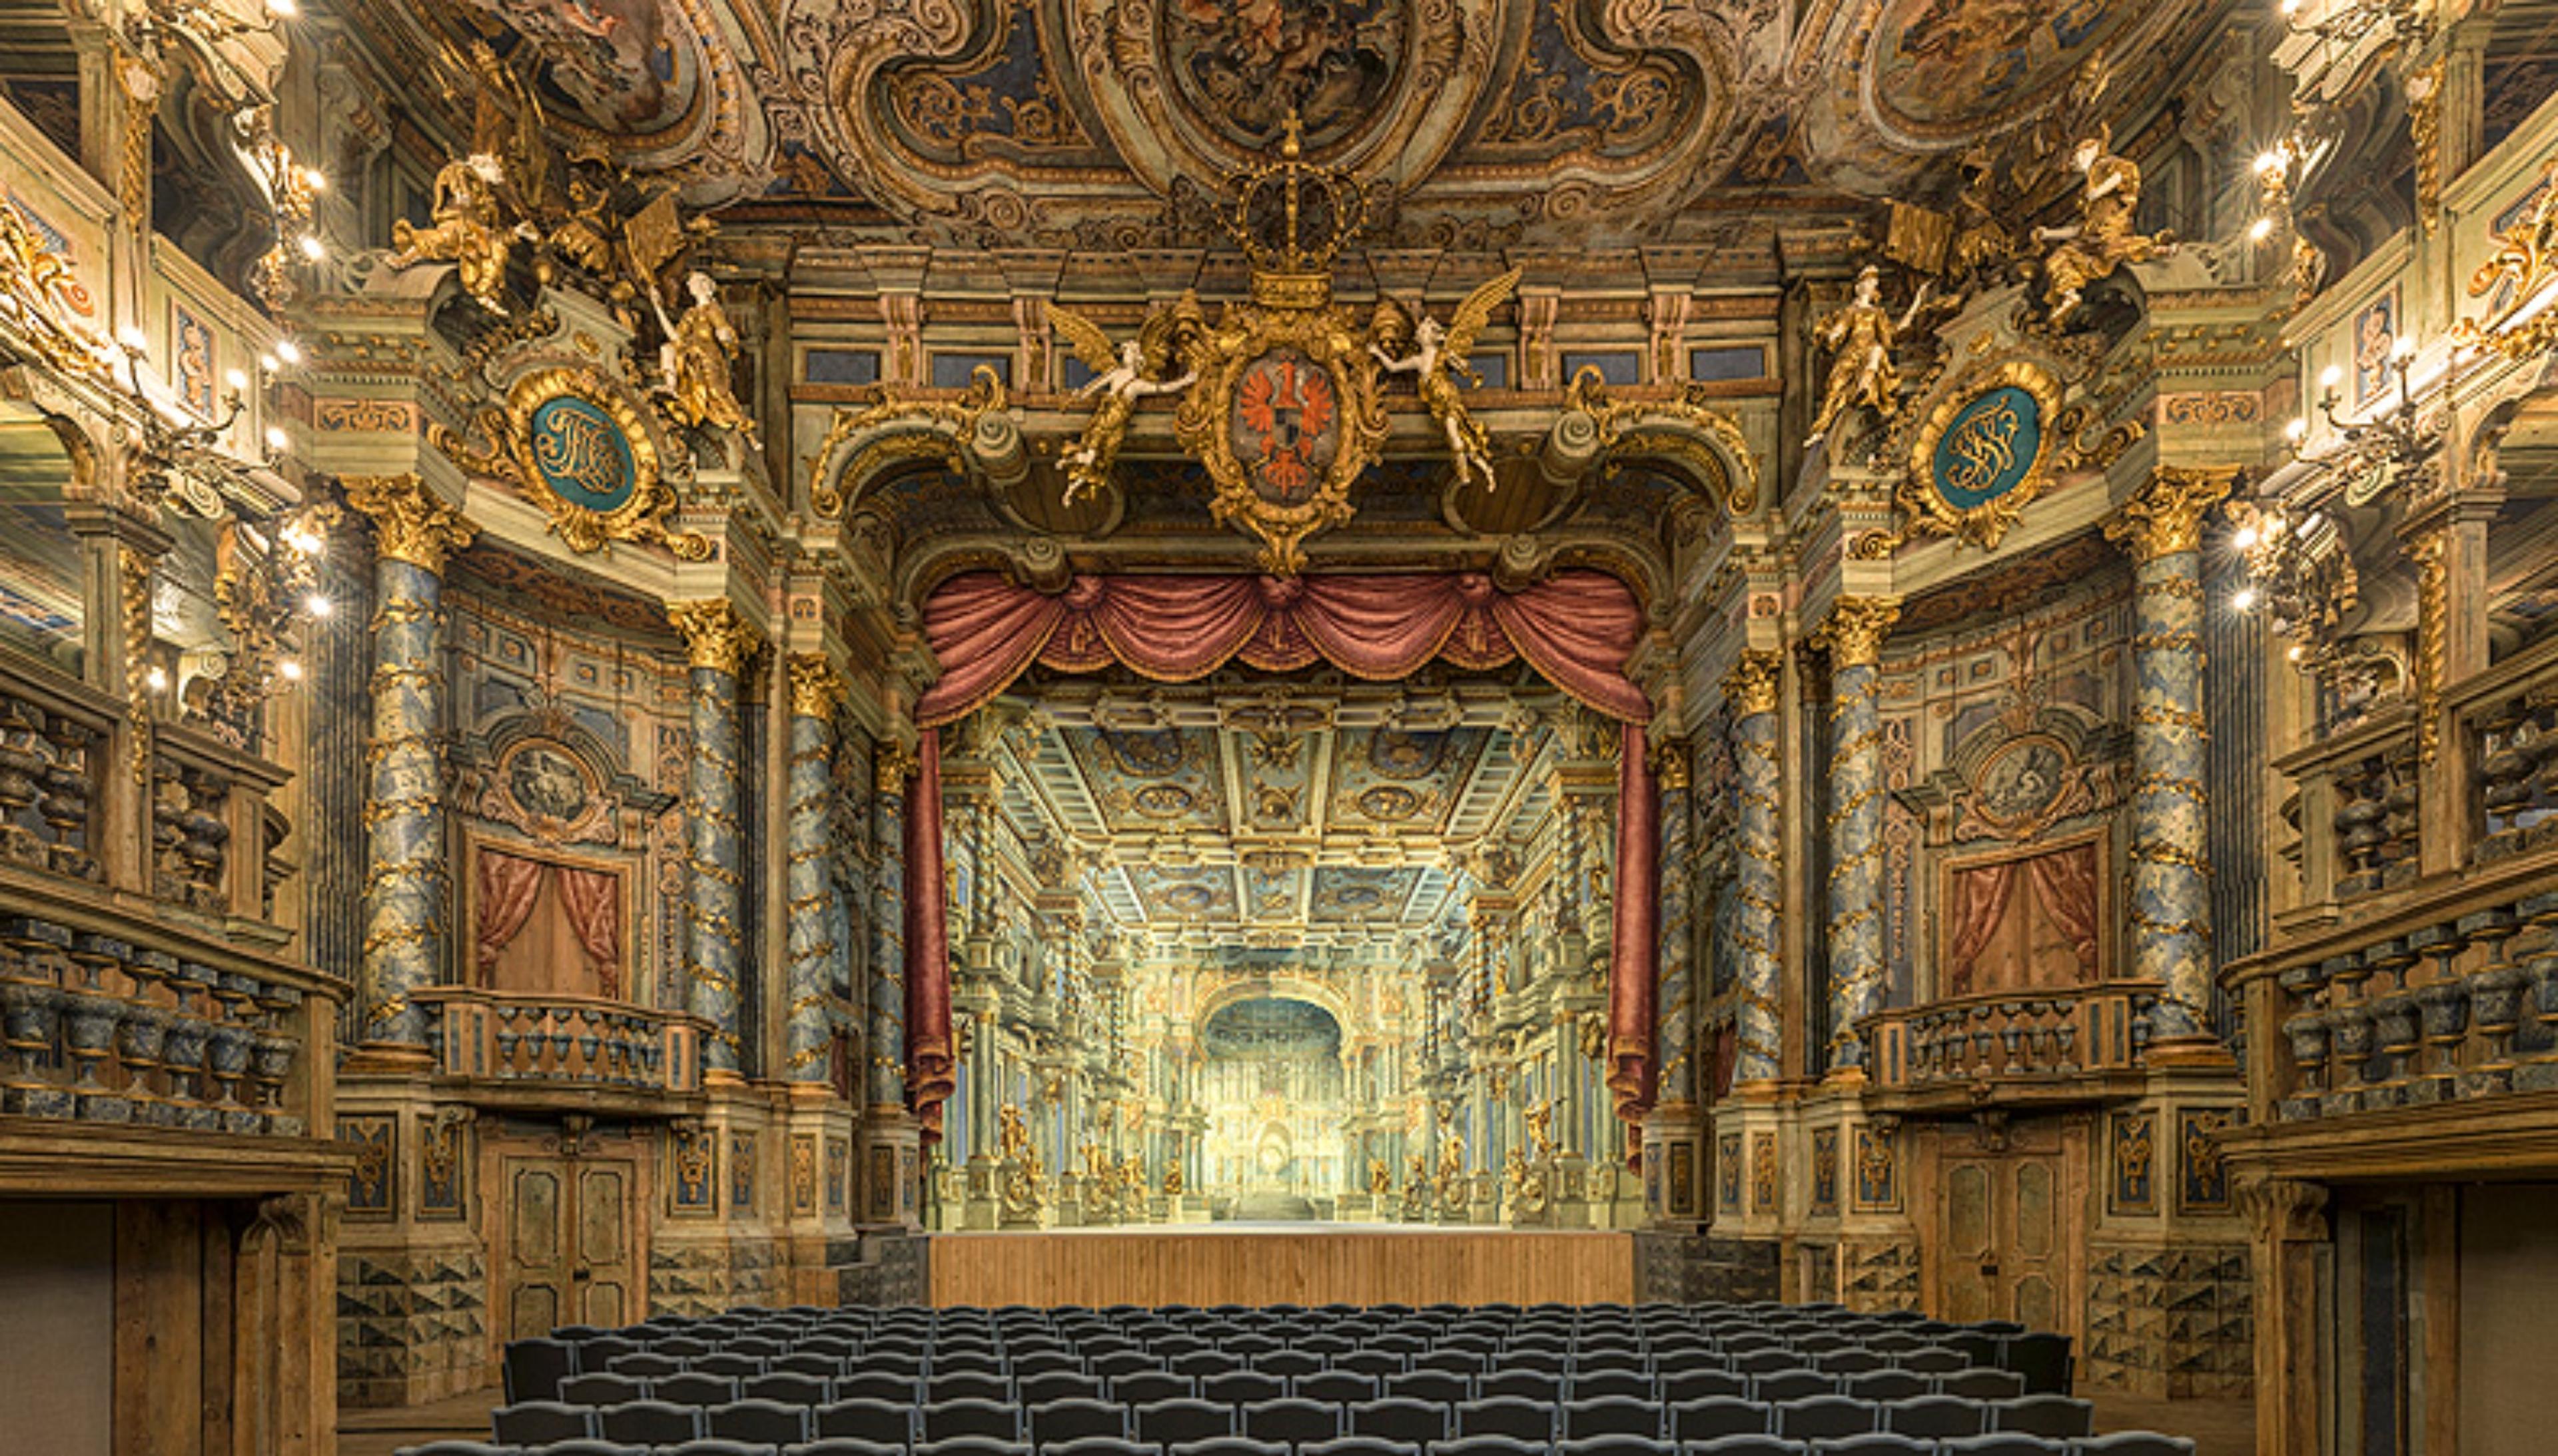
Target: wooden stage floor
[[1282, 1264]]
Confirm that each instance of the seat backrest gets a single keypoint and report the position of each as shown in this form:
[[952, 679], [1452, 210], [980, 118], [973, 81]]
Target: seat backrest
[[2044, 1415], [1936, 1416], [694, 1388], [1097, 1446], [605, 1388], [1288, 1362], [842, 1446], [888, 1423], [1177, 1422], [649, 1422], [1236, 1386], [1876, 1443], [1611, 1415], [1075, 1419], [1339, 1387], [1356, 1445], [540, 1423], [2042, 1359], [1616, 1445], [1544, 1386], [770, 1422], [1488, 1445], [1398, 1419], [1696, 1385], [1825, 1415], [1717, 1417], [1506, 1415], [2002, 1443], [1979, 1385], [1745, 1445], [1229, 1446], [1439, 1387], [791, 1387], [2134, 1443], [719, 1446], [1291, 1421], [997, 1420]]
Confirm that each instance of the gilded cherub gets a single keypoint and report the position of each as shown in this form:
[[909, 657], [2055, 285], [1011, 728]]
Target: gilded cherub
[[1380, 1180], [1540, 1129], [2105, 239], [1862, 335], [1438, 356], [697, 361], [1013, 1137], [1136, 369], [469, 230]]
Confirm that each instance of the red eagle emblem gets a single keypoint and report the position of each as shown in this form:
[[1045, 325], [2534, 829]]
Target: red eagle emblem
[[1286, 418]]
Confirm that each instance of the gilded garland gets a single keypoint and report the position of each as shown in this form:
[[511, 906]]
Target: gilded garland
[[579, 449]]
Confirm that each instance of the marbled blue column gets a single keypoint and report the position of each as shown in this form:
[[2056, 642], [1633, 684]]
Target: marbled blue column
[[1674, 1049], [807, 1031], [886, 990], [715, 888], [1854, 634], [407, 883], [2160, 527], [1759, 895]]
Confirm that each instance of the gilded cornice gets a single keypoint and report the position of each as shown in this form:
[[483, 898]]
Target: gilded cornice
[[410, 522]]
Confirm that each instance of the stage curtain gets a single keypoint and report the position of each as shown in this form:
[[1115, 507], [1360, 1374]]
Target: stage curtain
[[1981, 893], [508, 885], [1634, 959], [1578, 629], [929, 1066], [593, 899], [2065, 883]]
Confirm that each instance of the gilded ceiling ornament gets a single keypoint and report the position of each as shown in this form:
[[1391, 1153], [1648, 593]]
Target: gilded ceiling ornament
[[2104, 237], [34, 283], [1861, 335], [2164, 515], [901, 429], [1673, 429], [698, 361], [577, 446], [1137, 369], [716, 635], [1286, 415], [1439, 356], [470, 229], [410, 523]]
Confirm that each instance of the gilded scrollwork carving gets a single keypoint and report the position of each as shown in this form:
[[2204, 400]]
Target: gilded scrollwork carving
[[577, 446], [1709, 442], [898, 428]]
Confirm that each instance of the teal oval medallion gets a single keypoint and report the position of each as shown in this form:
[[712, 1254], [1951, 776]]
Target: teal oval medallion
[[1989, 448], [583, 455]]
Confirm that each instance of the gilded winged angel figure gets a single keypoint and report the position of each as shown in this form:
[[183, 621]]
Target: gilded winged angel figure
[[1438, 355], [1121, 376]]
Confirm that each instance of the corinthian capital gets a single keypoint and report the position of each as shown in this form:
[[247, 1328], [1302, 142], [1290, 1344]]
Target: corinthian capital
[[410, 522], [1855, 630], [2164, 515], [1751, 684], [816, 689], [719, 639]]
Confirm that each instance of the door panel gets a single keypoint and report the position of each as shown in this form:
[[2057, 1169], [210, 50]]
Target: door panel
[[536, 1274], [605, 1266], [570, 1254], [2009, 1224], [1970, 1254]]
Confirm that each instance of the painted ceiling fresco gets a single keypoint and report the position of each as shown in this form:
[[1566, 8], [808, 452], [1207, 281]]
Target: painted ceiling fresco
[[1268, 816], [1104, 124]]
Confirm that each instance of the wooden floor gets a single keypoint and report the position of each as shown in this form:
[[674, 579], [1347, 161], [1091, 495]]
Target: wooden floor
[[1288, 1263]]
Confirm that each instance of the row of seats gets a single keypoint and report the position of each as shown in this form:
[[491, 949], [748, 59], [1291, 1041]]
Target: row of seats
[[819, 1357], [2130, 1443], [1297, 1423], [635, 1378]]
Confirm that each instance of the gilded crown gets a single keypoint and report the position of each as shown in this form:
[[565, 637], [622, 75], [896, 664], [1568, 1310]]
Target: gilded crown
[[1292, 217]]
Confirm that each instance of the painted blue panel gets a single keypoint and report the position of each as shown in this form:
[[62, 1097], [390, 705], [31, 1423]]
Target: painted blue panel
[[1744, 362], [1617, 366], [951, 371], [1493, 368], [843, 366], [1989, 448]]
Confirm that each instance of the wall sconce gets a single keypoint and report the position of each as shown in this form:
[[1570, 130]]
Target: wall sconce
[[2389, 451]]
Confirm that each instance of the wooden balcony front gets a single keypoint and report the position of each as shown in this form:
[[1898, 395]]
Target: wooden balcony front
[[2020, 1050], [528, 1051]]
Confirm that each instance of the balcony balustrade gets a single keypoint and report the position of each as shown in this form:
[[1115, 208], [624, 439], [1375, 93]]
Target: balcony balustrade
[[533, 1048], [2060, 1045]]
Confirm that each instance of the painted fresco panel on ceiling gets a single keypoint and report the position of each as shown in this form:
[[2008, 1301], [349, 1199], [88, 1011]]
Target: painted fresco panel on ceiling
[[1344, 893], [1277, 770], [1273, 894], [1393, 778], [1331, 63], [1152, 781], [1573, 93], [1185, 896], [1000, 101], [1943, 67]]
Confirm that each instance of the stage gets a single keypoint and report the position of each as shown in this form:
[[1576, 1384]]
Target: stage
[[1276, 1263]]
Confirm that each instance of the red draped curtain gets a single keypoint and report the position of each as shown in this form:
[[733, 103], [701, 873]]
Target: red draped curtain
[[1577, 629], [1995, 935], [510, 887]]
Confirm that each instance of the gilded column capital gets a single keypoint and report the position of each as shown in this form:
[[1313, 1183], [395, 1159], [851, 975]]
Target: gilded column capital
[[891, 767], [412, 523], [1751, 684], [1854, 631], [1670, 766], [816, 689], [2164, 515], [718, 638]]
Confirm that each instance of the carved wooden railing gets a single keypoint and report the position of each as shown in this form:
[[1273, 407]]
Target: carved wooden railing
[[108, 1022], [556, 1042], [2053, 1037]]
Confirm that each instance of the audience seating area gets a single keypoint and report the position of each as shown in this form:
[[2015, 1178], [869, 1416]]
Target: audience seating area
[[1717, 1380]]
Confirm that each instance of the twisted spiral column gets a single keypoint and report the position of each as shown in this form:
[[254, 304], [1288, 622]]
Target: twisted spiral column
[[1751, 689], [886, 990], [407, 882], [720, 642], [807, 1031], [1675, 1048], [1854, 635], [2161, 528]]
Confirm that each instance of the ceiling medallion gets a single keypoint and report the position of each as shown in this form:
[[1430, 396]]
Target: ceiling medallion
[[1285, 414], [580, 450]]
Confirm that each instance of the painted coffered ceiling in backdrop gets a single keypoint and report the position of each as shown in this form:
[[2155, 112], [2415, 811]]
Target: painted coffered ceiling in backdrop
[[1100, 123], [1251, 815]]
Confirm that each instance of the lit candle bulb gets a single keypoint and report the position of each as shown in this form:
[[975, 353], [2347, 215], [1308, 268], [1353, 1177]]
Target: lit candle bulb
[[288, 351], [291, 670], [276, 439], [2244, 599]]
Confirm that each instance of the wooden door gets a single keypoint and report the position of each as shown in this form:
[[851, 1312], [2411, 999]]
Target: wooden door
[[2010, 1225], [569, 1255]]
